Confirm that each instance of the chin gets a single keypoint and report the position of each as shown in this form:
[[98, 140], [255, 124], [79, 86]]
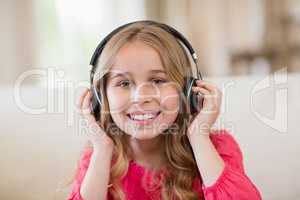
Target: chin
[[143, 135]]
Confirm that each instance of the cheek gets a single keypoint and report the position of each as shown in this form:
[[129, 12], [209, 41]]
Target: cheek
[[170, 101], [117, 100]]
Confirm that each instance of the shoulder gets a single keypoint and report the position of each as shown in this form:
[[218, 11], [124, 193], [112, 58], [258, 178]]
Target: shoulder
[[228, 147], [224, 140]]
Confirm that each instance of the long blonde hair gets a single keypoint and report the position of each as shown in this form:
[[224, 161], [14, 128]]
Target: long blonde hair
[[181, 163]]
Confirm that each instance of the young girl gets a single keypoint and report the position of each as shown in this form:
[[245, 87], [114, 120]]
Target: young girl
[[142, 148]]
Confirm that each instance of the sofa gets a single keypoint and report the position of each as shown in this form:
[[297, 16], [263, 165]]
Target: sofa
[[40, 141]]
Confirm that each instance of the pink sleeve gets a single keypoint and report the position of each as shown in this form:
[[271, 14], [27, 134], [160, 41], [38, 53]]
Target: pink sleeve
[[233, 183], [83, 166]]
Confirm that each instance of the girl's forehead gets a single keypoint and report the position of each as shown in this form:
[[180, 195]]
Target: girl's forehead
[[137, 59], [137, 56]]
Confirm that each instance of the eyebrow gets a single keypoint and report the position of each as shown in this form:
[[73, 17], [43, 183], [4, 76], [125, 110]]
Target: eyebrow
[[114, 75]]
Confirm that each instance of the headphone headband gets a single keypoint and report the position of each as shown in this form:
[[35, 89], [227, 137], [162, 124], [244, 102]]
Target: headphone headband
[[165, 27]]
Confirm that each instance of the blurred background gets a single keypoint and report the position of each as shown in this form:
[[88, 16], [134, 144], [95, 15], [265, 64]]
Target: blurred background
[[240, 43], [231, 37]]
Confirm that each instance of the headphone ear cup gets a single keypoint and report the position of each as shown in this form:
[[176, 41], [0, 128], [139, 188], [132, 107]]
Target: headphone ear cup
[[194, 101], [96, 108], [181, 104]]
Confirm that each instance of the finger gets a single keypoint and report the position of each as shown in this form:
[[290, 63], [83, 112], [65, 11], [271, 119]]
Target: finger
[[86, 103], [207, 85], [202, 90], [207, 94], [90, 118], [81, 97], [212, 88], [211, 100]]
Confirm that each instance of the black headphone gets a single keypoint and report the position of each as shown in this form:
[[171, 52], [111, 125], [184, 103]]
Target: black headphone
[[195, 102]]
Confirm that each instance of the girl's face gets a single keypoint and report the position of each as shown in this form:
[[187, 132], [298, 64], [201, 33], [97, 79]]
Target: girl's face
[[142, 99]]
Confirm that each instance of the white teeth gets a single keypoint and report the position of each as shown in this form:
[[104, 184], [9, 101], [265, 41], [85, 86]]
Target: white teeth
[[142, 117]]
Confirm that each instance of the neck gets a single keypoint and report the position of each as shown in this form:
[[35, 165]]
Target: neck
[[148, 153]]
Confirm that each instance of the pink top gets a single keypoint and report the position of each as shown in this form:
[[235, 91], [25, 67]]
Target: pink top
[[233, 183]]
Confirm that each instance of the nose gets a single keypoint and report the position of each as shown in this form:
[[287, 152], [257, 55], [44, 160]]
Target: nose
[[144, 92]]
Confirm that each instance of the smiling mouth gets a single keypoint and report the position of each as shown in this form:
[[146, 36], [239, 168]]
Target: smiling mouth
[[143, 119]]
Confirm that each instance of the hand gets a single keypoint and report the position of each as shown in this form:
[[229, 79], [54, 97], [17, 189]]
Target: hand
[[203, 121], [96, 135]]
